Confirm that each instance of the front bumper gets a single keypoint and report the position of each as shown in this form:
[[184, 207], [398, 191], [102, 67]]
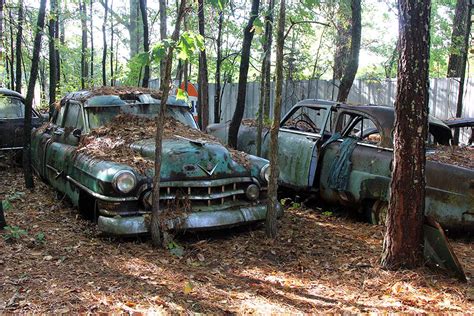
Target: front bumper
[[207, 220]]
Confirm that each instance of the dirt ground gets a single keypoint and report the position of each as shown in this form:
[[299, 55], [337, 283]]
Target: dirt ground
[[320, 263]]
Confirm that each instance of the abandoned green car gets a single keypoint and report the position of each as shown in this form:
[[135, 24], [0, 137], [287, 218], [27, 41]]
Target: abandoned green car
[[202, 184], [343, 154]]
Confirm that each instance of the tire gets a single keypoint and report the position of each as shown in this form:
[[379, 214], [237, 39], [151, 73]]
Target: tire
[[377, 212]]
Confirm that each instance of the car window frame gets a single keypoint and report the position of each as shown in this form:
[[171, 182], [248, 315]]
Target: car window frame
[[66, 112], [326, 120]]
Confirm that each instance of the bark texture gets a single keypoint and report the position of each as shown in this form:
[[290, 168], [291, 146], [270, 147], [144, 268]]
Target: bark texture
[[203, 94], [30, 94], [104, 45], [84, 63], [271, 227], [53, 64], [264, 103], [163, 35], [459, 33], [155, 227], [146, 41], [243, 73], [404, 234], [350, 70], [19, 36], [217, 96]]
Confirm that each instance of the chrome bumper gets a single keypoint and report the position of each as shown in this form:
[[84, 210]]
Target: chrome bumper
[[193, 221]]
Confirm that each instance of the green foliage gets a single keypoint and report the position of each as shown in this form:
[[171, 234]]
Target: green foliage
[[175, 249], [189, 43], [13, 233], [327, 213], [182, 95], [40, 238]]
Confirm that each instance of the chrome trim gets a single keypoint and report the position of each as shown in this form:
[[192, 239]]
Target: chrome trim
[[203, 197], [263, 171], [10, 148], [100, 196], [205, 183], [58, 173]]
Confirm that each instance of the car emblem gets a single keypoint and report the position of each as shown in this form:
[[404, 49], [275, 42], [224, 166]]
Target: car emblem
[[209, 170]]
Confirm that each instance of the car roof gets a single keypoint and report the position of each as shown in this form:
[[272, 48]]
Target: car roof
[[11, 93], [117, 96]]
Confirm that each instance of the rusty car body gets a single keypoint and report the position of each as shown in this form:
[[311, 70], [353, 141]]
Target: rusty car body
[[221, 192], [343, 154], [12, 117]]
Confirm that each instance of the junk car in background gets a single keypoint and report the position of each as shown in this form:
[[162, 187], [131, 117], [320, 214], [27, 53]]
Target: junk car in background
[[344, 155], [99, 151], [12, 119]]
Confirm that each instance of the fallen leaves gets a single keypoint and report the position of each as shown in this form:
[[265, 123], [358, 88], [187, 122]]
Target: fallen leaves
[[318, 264]]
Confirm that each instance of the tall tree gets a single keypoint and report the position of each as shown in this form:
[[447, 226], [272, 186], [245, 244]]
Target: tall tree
[[53, 16], [460, 31], [104, 48], [163, 35], [404, 234], [460, 64], [217, 96], [91, 23], [2, 48], [271, 218], [84, 64], [350, 70], [264, 103], [146, 41], [203, 94], [155, 226], [243, 73], [19, 38], [30, 94], [12, 51], [112, 50]]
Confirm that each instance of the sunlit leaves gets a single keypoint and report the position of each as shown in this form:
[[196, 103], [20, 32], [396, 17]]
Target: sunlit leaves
[[189, 43], [182, 95]]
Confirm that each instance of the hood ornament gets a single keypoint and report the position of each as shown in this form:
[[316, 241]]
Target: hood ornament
[[209, 170]]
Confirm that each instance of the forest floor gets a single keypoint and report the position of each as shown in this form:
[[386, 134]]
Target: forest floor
[[319, 263]]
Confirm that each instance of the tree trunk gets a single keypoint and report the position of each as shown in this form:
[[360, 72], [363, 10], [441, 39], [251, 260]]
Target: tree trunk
[[134, 27], [112, 51], [271, 227], [12, 52], [53, 6], [84, 64], [459, 34], [92, 41], [3, 222], [2, 6], [462, 71], [155, 227], [353, 64], [104, 49], [243, 73], [163, 35], [343, 40], [19, 36], [264, 104], [404, 234], [203, 94], [146, 41], [217, 96], [29, 97]]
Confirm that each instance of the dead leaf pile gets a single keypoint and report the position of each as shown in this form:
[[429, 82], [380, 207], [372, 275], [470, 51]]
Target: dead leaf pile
[[112, 141], [318, 264], [455, 155]]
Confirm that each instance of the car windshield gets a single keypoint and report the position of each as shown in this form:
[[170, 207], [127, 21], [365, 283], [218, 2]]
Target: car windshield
[[11, 108], [99, 116]]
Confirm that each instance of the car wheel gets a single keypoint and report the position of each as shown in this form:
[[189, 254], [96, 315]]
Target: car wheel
[[88, 206], [378, 212]]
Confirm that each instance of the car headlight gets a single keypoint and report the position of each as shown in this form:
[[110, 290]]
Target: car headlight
[[265, 173], [124, 181], [252, 192]]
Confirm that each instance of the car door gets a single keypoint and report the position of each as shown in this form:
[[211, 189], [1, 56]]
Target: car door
[[63, 143], [12, 114], [301, 131]]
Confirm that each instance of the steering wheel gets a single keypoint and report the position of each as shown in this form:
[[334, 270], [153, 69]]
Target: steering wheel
[[311, 126]]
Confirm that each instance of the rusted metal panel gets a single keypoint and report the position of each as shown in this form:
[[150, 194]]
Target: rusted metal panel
[[202, 185]]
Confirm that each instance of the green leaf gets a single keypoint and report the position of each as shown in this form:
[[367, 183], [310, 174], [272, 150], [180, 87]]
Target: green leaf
[[6, 205]]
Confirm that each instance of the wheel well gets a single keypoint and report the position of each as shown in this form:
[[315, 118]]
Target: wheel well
[[88, 206]]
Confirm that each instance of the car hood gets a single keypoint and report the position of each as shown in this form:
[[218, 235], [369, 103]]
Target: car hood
[[187, 159]]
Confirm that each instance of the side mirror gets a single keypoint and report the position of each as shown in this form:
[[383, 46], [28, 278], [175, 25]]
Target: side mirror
[[77, 133]]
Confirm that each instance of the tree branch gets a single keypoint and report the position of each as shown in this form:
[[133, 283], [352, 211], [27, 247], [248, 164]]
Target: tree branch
[[293, 23]]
